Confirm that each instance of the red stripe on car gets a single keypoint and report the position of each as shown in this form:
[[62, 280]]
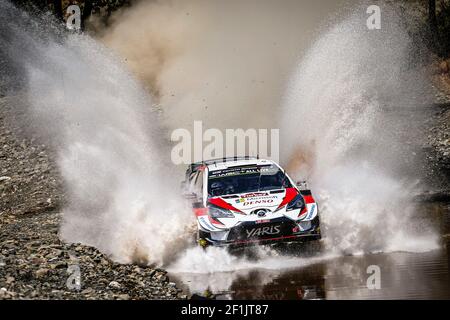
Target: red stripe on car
[[309, 199], [214, 221], [200, 211], [303, 211], [290, 194]]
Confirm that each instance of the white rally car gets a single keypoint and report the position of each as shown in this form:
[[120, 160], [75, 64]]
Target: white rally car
[[243, 200]]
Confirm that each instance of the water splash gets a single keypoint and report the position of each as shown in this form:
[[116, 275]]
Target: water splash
[[351, 111], [109, 146]]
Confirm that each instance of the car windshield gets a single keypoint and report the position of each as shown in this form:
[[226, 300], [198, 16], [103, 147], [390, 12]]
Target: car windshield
[[246, 179]]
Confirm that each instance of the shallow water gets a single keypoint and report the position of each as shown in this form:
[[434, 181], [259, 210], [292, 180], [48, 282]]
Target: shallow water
[[403, 275]]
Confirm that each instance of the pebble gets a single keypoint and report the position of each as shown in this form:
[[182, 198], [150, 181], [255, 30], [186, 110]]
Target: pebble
[[41, 273], [114, 285]]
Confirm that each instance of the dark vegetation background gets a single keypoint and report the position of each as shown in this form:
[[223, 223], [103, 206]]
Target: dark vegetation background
[[435, 23]]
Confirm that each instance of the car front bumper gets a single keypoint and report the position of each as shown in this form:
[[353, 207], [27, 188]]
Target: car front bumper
[[252, 233]]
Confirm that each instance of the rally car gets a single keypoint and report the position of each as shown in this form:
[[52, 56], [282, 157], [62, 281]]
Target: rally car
[[243, 200]]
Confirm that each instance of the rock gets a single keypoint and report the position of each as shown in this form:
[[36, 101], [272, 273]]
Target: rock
[[59, 265], [9, 279], [114, 285], [87, 291], [137, 270], [3, 293], [41, 272]]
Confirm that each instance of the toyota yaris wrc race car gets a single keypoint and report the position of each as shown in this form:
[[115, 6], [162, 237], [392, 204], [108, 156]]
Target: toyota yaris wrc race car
[[242, 200]]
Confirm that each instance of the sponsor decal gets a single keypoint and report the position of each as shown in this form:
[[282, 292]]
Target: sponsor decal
[[253, 195], [234, 172], [262, 231], [206, 223], [261, 201], [254, 198], [267, 169], [262, 221], [311, 213]]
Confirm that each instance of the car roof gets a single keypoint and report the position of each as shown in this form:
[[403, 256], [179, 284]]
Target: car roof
[[237, 163]]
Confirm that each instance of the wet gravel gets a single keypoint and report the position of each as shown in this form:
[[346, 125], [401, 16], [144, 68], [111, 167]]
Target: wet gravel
[[34, 262], [439, 140], [29, 180], [37, 264]]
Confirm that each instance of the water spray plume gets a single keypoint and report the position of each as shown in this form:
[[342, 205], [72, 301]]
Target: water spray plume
[[348, 111], [107, 139]]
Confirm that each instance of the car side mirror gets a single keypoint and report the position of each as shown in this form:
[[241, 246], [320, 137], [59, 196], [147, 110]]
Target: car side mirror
[[190, 195], [302, 185], [185, 192]]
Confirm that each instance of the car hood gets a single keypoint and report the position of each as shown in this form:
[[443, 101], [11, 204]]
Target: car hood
[[249, 202]]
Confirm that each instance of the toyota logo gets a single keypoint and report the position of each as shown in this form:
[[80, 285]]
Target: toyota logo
[[261, 213]]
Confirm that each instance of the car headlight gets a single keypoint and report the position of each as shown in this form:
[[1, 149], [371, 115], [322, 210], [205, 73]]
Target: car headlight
[[296, 203], [217, 212]]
